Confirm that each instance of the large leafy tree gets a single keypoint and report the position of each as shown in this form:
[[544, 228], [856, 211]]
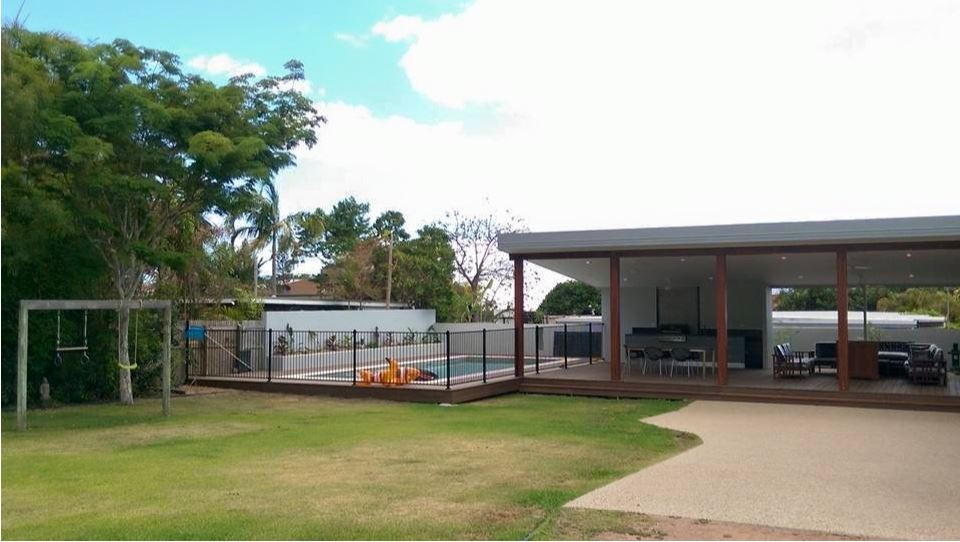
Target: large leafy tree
[[353, 275], [825, 298], [571, 298], [132, 146], [345, 226], [424, 275], [391, 224], [933, 301]]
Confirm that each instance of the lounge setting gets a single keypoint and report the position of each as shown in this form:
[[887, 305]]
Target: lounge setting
[[916, 363]]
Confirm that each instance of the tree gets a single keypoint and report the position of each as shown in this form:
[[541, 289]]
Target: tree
[[571, 298], [131, 146], [389, 229], [345, 226], [933, 301], [424, 275], [806, 299], [291, 238], [352, 276], [391, 223], [483, 269], [825, 298]]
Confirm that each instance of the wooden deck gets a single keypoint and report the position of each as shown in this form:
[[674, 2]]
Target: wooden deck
[[747, 385], [594, 380], [760, 378], [413, 394]]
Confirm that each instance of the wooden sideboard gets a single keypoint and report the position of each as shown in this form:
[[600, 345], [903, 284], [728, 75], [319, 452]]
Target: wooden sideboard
[[864, 360]]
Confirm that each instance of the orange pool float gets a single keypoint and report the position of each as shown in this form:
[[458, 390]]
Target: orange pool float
[[393, 375]]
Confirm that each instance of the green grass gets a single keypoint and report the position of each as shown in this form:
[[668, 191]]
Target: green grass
[[246, 465]]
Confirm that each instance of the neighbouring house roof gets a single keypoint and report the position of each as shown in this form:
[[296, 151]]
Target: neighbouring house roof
[[874, 230], [574, 319], [828, 319], [299, 287], [288, 303]]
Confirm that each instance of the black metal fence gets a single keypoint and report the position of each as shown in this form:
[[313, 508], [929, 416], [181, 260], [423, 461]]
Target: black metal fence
[[384, 358]]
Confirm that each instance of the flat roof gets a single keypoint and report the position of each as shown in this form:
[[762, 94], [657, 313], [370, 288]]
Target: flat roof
[[830, 232], [855, 319], [291, 301]]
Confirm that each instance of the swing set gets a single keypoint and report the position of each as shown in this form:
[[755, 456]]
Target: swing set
[[58, 305]]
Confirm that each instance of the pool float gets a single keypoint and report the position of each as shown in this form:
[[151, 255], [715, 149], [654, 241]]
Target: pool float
[[426, 376], [394, 375]]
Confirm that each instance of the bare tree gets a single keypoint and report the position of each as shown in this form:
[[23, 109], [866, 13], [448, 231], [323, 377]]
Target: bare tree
[[479, 264]]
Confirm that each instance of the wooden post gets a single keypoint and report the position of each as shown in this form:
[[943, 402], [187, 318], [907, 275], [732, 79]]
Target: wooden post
[[720, 285], [27, 305], [22, 343], [843, 359], [518, 353], [167, 338], [615, 318]]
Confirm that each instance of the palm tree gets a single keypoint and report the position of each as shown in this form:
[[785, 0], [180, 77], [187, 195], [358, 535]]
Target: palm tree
[[263, 225]]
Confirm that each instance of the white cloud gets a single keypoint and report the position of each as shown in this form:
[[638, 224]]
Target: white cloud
[[661, 113], [224, 64], [400, 28], [353, 40], [303, 86]]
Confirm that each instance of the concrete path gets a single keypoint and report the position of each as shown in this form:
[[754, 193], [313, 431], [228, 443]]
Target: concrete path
[[883, 473]]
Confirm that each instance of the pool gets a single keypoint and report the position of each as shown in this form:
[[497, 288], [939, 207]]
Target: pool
[[462, 368]]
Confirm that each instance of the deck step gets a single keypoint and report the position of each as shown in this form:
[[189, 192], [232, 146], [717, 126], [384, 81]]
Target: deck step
[[563, 386]]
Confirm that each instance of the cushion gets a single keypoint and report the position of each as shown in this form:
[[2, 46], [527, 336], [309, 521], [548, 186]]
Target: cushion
[[825, 350], [886, 356]]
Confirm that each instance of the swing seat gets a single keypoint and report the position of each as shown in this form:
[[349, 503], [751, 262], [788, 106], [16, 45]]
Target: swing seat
[[72, 349]]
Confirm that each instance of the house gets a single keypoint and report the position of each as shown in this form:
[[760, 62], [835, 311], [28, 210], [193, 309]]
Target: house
[[709, 289], [299, 288]]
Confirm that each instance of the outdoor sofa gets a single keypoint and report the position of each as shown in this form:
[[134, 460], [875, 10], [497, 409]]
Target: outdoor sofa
[[927, 365], [921, 363], [786, 362]]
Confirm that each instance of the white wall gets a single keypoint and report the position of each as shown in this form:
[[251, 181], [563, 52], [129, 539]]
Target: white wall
[[469, 326], [746, 306], [466, 337], [362, 320]]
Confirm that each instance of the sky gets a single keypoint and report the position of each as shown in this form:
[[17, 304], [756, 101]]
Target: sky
[[591, 114]]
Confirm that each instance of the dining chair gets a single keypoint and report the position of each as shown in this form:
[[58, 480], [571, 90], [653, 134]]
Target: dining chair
[[652, 353], [682, 354]]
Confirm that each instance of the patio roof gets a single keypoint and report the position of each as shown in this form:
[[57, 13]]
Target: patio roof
[[679, 256], [879, 230]]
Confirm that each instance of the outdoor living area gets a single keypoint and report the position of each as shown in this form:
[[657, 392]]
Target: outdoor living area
[[688, 311]]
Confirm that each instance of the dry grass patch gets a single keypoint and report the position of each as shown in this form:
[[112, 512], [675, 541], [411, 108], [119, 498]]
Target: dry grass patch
[[246, 465]]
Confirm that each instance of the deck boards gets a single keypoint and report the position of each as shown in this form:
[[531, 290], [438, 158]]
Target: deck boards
[[594, 380], [759, 378], [748, 385]]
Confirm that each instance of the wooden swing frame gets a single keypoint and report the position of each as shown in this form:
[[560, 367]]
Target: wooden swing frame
[[28, 305]]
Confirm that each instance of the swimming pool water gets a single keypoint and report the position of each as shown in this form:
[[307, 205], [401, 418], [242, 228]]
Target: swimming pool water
[[460, 366]]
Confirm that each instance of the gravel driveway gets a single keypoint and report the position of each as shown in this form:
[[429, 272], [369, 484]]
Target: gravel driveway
[[883, 473]]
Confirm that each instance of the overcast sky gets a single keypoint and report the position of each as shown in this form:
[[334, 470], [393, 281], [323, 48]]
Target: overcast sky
[[591, 114]]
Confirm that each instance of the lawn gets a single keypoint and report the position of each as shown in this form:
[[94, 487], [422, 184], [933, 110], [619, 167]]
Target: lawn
[[247, 465]]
